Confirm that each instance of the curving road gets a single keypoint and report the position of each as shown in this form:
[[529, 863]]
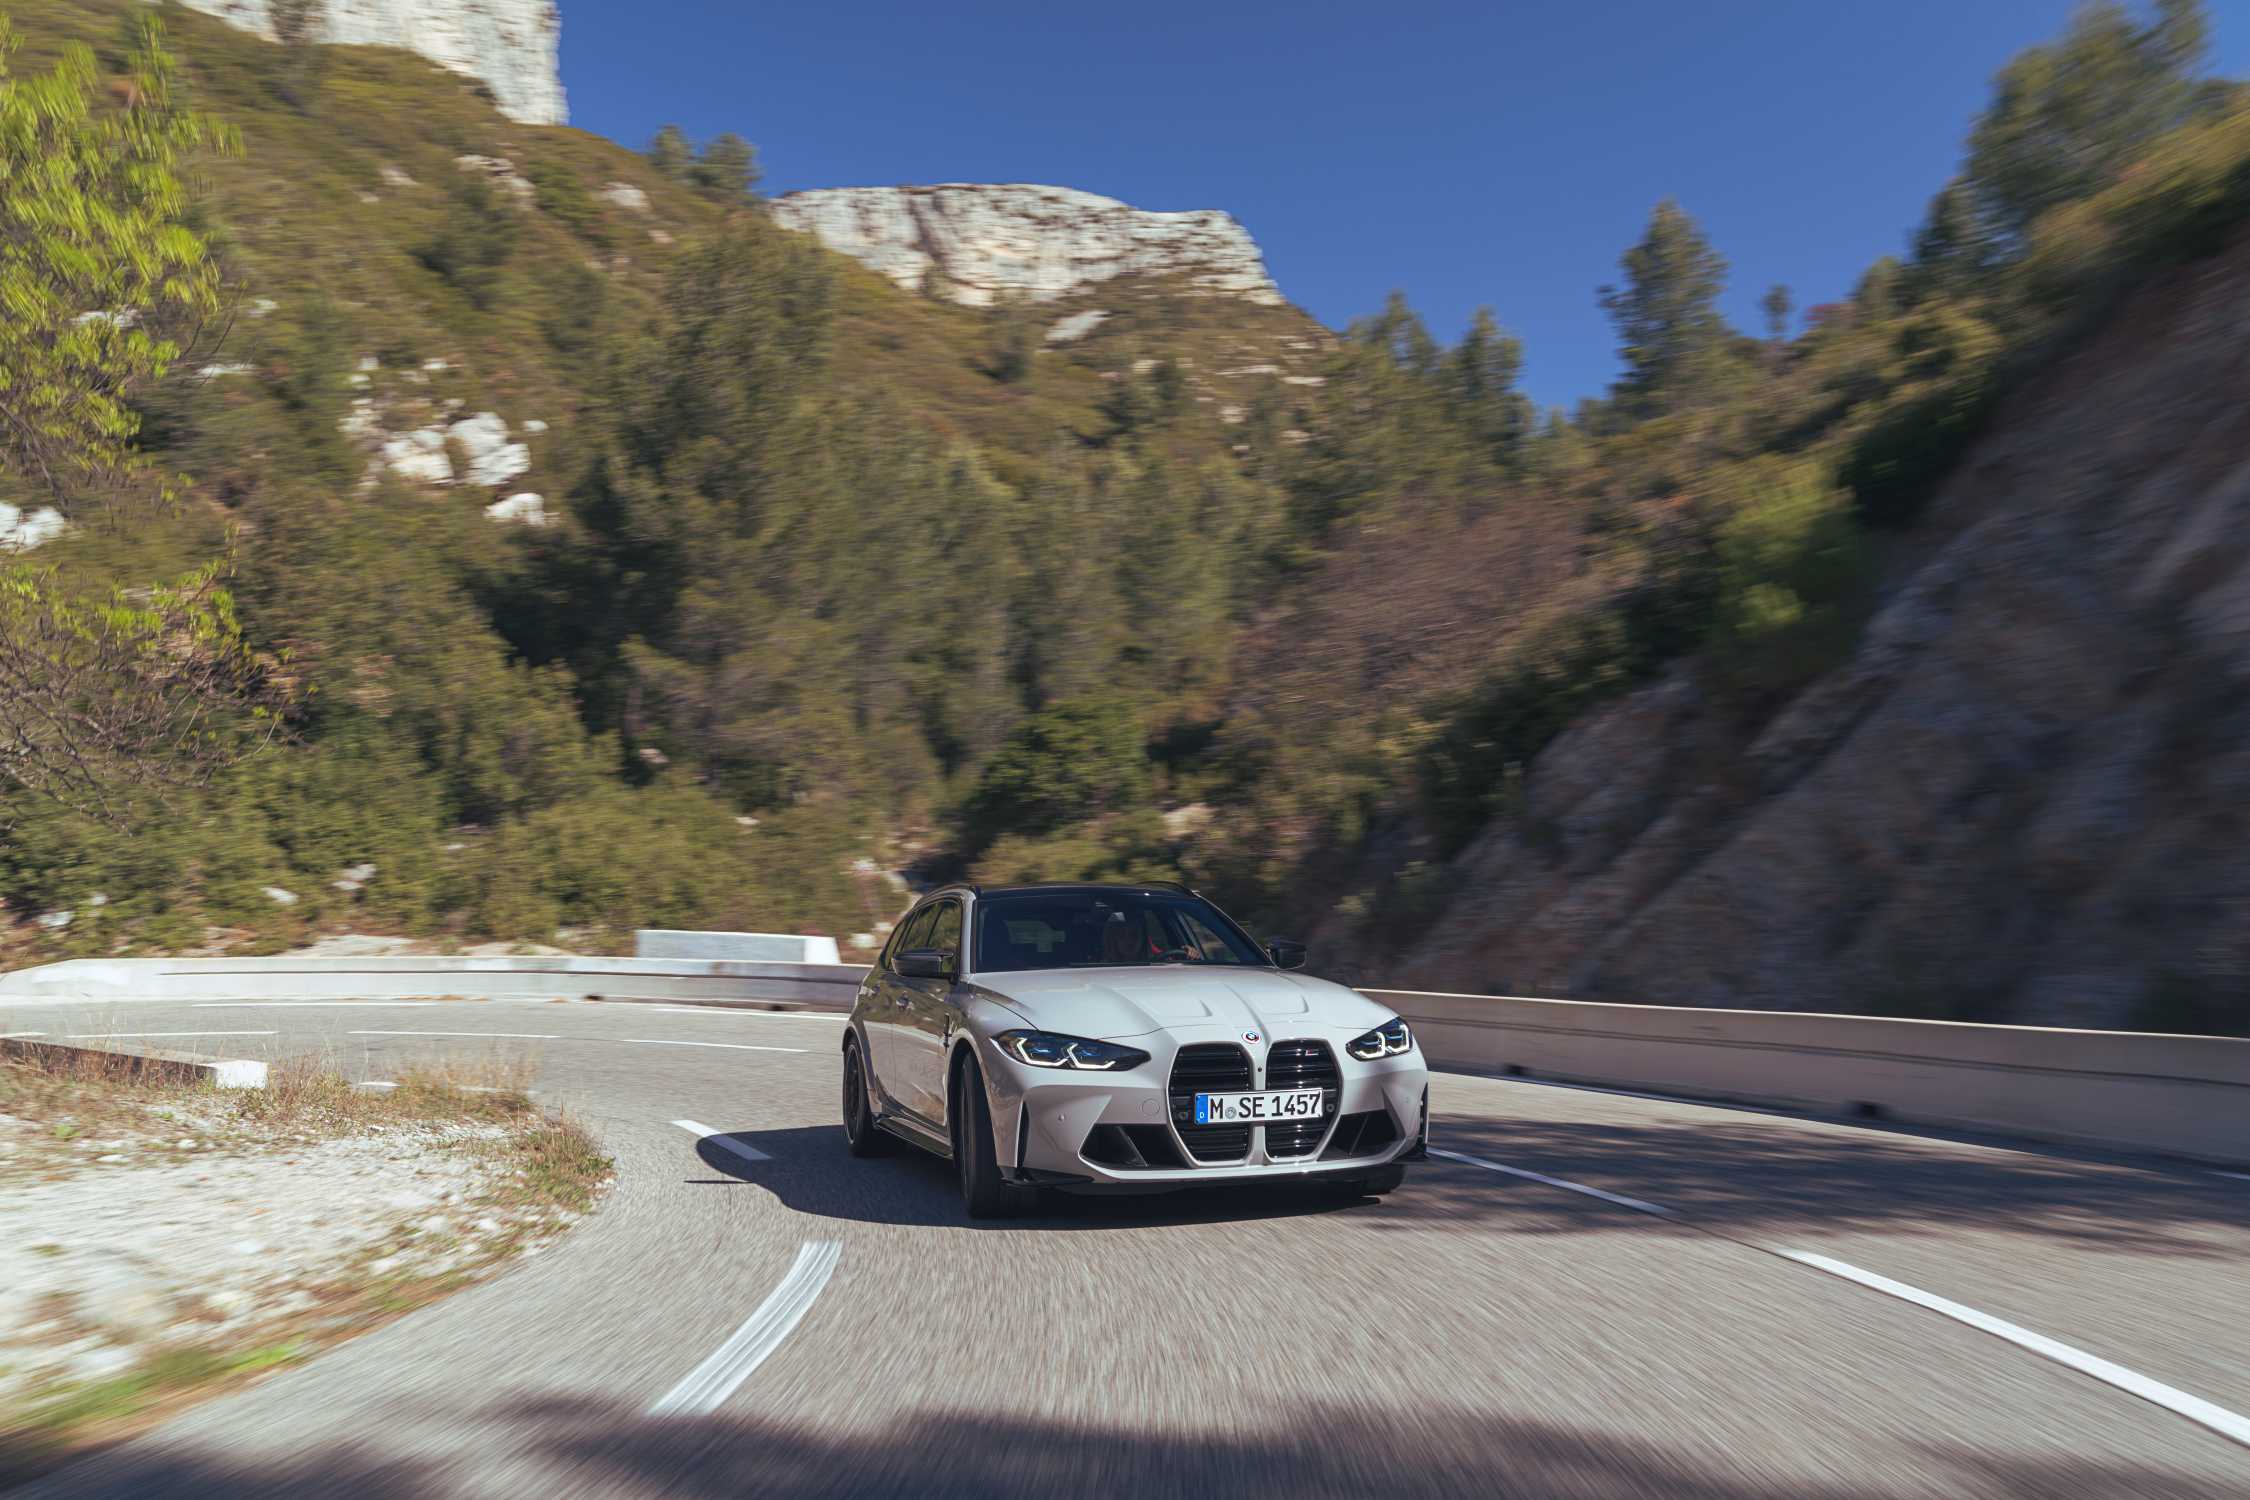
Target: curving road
[[1593, 1296]]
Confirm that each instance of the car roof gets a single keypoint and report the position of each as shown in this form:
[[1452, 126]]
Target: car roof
[[1060, 887]]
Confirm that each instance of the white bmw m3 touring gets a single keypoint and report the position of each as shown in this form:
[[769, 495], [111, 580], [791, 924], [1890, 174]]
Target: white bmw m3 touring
[[1121, 1038]]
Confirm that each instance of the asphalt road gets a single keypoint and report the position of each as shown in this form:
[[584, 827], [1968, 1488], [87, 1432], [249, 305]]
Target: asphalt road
[[753, 1313]]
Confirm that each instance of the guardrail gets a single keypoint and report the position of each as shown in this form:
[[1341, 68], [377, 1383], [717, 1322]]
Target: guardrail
[[101, 980], [2179, 1095]]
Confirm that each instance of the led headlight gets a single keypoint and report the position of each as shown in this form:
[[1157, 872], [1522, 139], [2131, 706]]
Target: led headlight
[[1044, 1049], [1387, 1040]]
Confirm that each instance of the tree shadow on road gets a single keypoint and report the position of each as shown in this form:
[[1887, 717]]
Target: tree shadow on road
[[583, 1448]]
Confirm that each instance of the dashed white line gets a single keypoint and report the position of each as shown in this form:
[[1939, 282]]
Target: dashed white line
[[1575, 1187], [723, 1141], [515, 1036], [2237, 1176], [375, 1083], [314, 1004], [752, 1015], [710, 1383], [83, 1036], [2194, 1408], [654, 1041], [4, 1035]]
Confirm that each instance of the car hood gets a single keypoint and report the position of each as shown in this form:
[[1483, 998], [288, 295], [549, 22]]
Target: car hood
[[1116, 1004]]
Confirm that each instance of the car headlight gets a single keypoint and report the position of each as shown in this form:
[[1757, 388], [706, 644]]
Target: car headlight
[[1045, 1049], [1387, 1040]]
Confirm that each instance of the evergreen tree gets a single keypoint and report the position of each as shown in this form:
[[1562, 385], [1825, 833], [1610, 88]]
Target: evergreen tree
[[1481, 372], [727, 169], [2067, 116], [671, 153], [1777, 304], [1670, 333]]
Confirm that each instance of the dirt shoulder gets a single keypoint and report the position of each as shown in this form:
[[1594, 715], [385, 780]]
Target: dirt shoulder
[[159, 1243]]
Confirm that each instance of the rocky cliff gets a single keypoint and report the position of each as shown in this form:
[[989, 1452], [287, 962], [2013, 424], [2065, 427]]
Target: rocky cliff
[[983, 243], [512, 46], [2024, 798]]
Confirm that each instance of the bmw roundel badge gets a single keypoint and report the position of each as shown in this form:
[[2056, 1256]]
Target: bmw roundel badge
[[1249, 1036]]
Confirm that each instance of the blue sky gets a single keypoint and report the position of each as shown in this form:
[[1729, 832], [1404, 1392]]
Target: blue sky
[[1498, 152]]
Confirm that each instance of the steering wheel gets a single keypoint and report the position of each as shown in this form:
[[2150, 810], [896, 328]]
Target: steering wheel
[[1175, 956]]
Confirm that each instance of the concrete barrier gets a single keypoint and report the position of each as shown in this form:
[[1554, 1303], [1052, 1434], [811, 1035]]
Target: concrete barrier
[[828, 986], [756, 947], [2183, 1096], [2178, 1095], [143, 1062]]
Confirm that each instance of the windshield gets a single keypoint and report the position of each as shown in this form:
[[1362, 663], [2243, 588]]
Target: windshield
[[1105, 929]]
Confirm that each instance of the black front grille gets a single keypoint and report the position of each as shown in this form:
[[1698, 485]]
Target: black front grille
[[1302, 1065], [1207, 1068]]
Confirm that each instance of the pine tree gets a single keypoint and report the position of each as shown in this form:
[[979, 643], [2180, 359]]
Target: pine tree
[[1670, 332], [1482, 372], [671, 153], [727, 170]]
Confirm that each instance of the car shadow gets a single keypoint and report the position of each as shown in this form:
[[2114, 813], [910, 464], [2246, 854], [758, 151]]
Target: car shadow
[[809, 1170]]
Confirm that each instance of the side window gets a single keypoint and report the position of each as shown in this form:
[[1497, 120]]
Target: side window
[[945, 933], [909, 935]]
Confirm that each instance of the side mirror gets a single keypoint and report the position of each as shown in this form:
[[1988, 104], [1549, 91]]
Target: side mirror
[[1287, 953], [926, 963]]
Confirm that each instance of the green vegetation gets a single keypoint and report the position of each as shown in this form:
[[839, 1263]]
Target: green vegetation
[[834, 569]]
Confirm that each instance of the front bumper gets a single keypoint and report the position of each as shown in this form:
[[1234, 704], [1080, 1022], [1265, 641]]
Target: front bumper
[[1079, 1130]]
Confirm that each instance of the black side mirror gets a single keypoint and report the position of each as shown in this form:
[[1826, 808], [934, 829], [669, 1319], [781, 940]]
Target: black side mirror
[[926, 963], [1287, 953]]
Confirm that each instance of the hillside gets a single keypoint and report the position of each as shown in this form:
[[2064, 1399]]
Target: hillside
[[2019, 798]]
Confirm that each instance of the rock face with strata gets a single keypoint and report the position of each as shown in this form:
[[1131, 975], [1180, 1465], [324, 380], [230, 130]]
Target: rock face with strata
[[2024, 798], [986, 243], [512, 46]]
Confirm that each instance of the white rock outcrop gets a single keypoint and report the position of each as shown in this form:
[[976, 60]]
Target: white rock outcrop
[[512, 46], [22, 530], [984, 243]]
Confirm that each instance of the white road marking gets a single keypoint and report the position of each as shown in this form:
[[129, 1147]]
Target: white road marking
[[2194, 1408], [314, 1004], [6, 1034], [516, 1036], [375, 1083], [1575, 1187], [754, 1015], [710, 1383], [2237, 1176], [722, 1141], [652, 1041], [81, 1036]]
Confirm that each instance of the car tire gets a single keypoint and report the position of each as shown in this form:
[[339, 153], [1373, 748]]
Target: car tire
[[982, 1188], [862, 1136]]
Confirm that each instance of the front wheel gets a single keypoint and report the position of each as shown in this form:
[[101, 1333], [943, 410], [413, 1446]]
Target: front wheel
[[862, 1136], [987, 1195]]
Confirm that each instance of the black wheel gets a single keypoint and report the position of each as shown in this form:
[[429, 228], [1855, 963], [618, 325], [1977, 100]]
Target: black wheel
[[982, 1190], [862, 1136]]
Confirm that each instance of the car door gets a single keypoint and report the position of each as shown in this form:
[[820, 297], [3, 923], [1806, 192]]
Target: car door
[[931, 1015], [887, 1011]]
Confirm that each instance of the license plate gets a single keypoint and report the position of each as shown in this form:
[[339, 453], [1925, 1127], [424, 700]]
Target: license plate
[[1249, 1109]]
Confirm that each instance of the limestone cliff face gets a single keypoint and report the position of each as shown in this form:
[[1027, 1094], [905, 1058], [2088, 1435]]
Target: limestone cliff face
[[982, 243], [2025, 798], [511, 45]]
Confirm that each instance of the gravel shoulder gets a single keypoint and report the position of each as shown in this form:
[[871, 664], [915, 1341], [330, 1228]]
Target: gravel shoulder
[[161, 1243]]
